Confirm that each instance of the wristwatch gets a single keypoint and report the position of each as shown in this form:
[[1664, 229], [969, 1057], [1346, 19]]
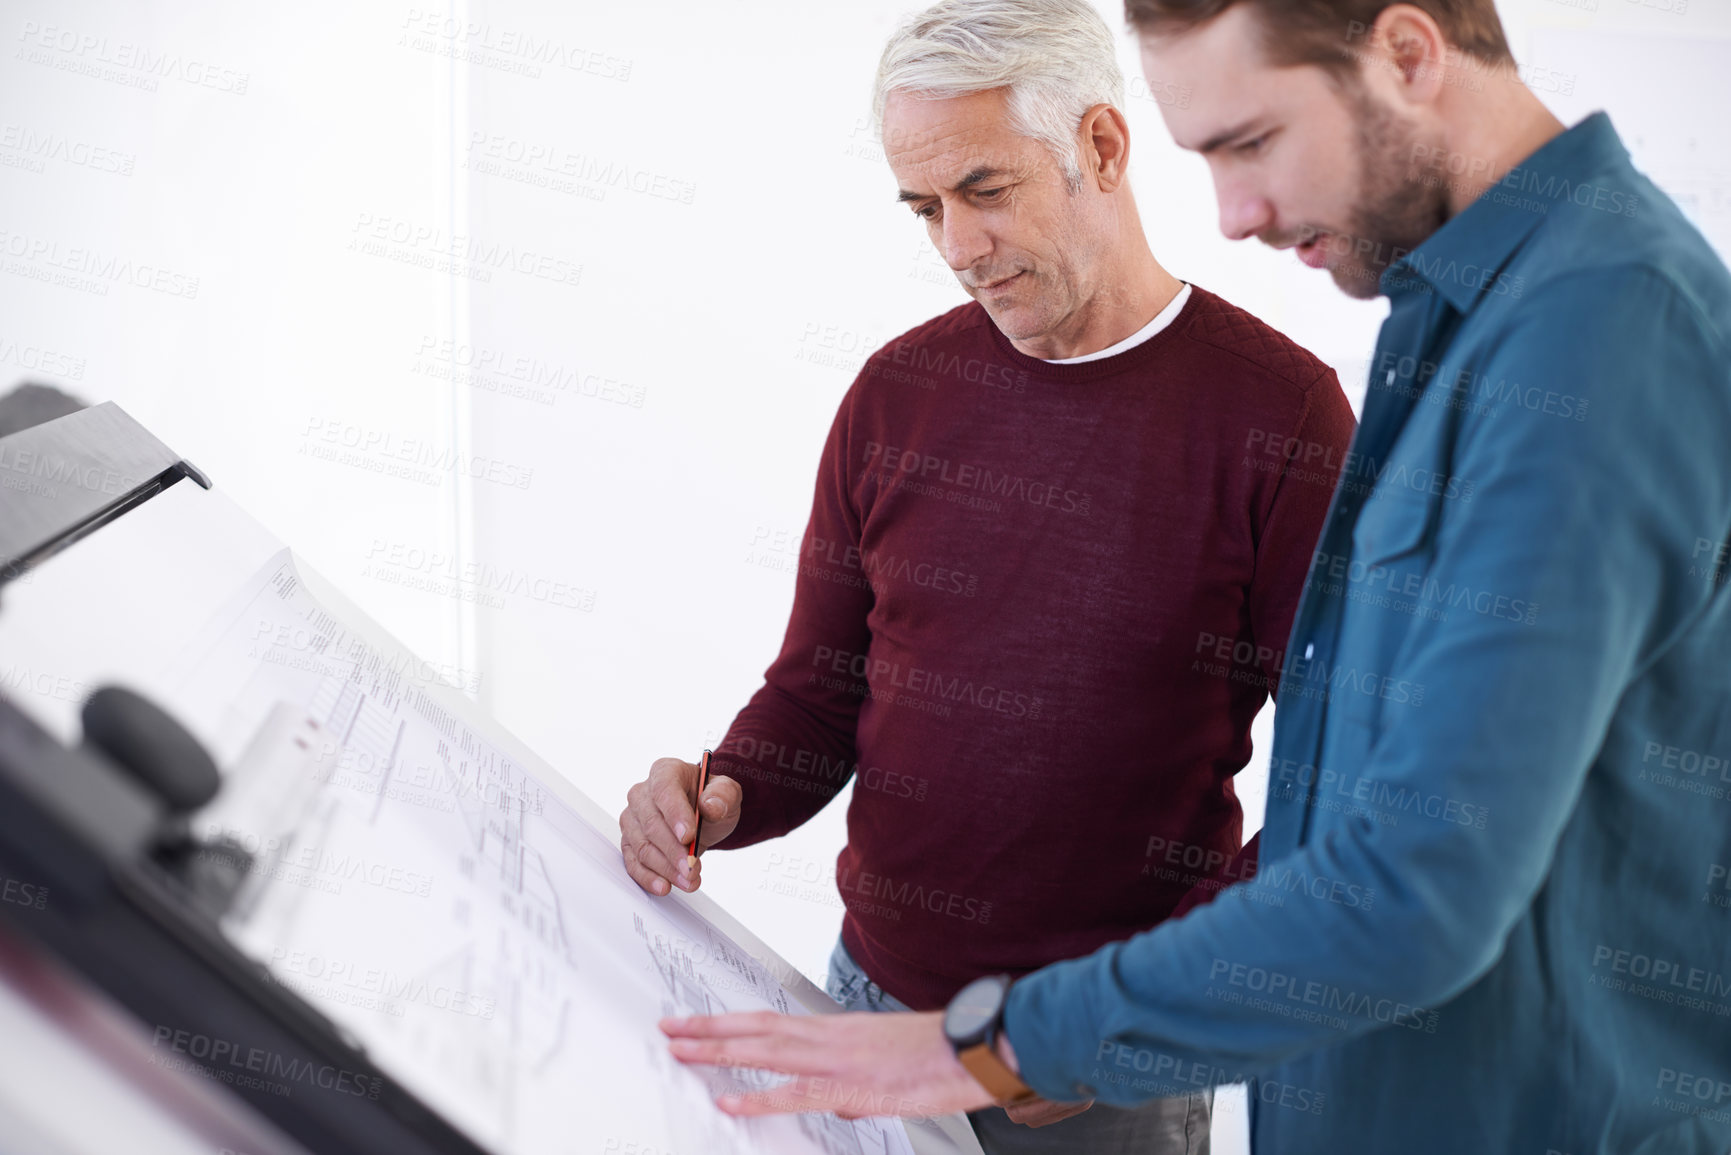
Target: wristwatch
[[971, 1024]]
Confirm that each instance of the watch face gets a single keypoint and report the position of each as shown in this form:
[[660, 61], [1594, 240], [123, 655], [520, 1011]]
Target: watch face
[[973, 1009]]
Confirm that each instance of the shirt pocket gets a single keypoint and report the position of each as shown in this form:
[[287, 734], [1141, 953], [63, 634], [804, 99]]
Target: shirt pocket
[[1388, 595], [1392, 524], [1400, 514]]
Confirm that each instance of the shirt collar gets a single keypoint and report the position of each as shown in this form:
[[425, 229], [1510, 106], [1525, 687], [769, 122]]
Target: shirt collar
[[1466, 255]]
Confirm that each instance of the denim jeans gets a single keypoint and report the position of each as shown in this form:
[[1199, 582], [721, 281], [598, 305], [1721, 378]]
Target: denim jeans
[[1158, 1127]]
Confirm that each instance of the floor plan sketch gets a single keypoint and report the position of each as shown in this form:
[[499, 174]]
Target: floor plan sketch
[[475, 934]]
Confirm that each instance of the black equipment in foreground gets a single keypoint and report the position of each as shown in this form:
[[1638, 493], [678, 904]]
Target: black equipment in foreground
[[133, 898]]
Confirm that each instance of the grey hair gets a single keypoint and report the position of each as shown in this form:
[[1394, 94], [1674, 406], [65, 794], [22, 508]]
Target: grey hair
[[1056, 57]]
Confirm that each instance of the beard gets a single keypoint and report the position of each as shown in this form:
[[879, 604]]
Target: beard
[[1399, 204]]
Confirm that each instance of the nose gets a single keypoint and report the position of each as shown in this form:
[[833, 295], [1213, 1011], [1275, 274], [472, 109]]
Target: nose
[[964, 241], [1244, 212]]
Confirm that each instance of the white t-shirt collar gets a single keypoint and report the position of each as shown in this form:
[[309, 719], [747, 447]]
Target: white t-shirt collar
[[1162, 319]]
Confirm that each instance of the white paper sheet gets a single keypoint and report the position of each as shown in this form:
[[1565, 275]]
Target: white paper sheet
[[475, 934]]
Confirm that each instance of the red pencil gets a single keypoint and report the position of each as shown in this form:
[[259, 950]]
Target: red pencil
[[702, 781]]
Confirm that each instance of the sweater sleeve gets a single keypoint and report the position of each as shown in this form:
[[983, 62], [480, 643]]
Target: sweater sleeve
[[1241, 867], [792, 747], [1316, 451]]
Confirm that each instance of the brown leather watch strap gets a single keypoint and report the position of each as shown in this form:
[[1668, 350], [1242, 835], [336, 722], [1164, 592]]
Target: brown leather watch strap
[[990, 1072]]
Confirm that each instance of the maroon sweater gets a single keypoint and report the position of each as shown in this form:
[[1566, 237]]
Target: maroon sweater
[[1037, 608]]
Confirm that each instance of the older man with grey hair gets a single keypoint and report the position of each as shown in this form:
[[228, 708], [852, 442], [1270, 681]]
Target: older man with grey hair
[[1056, 543]]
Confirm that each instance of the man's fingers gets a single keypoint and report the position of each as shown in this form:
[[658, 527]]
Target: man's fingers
[[649, 864], [648, 879], [661, 848], [765, 1053], [796, 1095], [740, 1024], [652, 858], [671, 788], [786, 1044], [777, 1053], [724, 792], [821, 1094], [656, 827], [721, 800], [853, 1064], [1043, 1112]]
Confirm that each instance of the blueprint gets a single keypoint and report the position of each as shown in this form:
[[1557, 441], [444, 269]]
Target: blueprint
[[474, 933]]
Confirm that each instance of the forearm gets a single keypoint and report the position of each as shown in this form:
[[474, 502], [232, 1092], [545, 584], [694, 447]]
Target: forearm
[[792, 748], [789, 761], [1264, 972]]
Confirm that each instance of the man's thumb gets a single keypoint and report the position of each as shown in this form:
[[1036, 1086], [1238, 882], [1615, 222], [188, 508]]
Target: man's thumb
[[720, 798]]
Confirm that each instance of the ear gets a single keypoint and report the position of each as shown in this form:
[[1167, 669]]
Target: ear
[[1407, 54], [1106, 135]]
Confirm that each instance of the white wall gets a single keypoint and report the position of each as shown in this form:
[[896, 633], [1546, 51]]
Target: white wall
[[636, 376], [198, 172]]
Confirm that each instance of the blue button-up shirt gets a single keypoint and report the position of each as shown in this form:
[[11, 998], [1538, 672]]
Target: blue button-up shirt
[[1493, 912]]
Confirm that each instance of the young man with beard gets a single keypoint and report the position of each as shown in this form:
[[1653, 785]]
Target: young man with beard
[[1056, 543], [1488, 923]]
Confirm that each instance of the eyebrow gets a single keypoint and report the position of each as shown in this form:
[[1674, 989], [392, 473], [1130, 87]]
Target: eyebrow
[[1219, 139], [975, 178]]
